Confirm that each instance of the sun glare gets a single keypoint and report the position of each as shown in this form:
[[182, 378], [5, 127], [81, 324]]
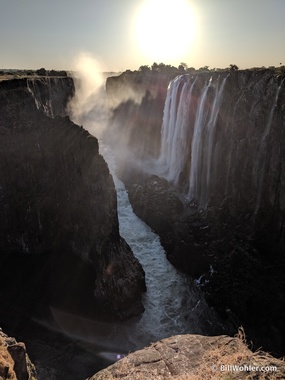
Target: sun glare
[[165, 29]]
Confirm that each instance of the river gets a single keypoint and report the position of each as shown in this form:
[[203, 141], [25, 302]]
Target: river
[[173, 303]]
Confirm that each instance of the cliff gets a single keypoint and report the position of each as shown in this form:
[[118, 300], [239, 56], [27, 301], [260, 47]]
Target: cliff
[[195, 357], [137, 101], [59, 233], [15, 363], [215, 191]]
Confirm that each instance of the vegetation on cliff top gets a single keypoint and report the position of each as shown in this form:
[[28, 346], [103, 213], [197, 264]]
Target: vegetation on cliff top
[[183, 68]]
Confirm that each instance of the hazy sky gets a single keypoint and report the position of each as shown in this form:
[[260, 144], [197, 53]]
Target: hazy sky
[[124, 34]]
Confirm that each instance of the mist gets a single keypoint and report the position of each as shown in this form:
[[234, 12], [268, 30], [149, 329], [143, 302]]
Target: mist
[[89, 107]]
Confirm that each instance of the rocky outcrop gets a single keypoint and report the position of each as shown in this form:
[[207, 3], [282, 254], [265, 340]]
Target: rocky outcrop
[[49, 95], [184, 357], [59, 233], [221, 152], [14, 360]]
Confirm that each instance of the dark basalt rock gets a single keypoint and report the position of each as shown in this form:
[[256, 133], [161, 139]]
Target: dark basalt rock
[[234, 241], [137, 102], [154, 194], [59, 232]]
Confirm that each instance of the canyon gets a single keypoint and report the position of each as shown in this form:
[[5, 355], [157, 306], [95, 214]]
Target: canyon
[[202, 160], [212, 185], [59, 235]]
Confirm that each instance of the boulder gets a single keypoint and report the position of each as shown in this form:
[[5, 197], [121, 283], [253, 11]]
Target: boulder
[[15, 363], [184, 357]]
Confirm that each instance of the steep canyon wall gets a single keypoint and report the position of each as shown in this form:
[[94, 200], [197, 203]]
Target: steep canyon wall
[[59, 234], [215, 189]]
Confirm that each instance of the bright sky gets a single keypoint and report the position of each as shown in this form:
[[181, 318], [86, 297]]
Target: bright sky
[[125, 34]]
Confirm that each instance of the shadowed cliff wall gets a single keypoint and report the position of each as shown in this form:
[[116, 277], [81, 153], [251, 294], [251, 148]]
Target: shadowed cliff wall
[[221, 151], [59, 232]]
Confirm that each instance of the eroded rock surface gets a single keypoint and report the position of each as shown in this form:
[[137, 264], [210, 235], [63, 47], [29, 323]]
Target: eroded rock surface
[[230, 233], [187, 357], [15, 363], [59, 233]]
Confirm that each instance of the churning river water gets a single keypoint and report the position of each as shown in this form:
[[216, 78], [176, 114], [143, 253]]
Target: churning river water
[[173, 303]]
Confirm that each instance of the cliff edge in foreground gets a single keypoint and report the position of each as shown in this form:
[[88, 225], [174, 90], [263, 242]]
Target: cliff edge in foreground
[[14, 360], [195, 357]]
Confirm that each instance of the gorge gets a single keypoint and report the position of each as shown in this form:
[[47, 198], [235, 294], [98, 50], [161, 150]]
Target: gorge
[[60, 241], [203, 166], [214, 192]]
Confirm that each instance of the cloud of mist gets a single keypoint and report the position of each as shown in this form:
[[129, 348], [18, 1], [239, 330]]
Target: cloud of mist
[[89, 106]]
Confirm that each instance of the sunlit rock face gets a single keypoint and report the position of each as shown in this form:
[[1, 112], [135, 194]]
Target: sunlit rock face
[[221, 150], [190, 356], [14, 360], [59, 231]]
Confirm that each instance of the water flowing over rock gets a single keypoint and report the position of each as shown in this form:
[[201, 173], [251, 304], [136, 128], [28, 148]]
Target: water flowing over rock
[[206, 125], [51, 95], [222, 138]]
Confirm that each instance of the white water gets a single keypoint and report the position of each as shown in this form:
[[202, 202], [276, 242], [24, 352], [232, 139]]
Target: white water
[[175, 128], [46, 106], [196, 151], [180, 120], [173, 304]]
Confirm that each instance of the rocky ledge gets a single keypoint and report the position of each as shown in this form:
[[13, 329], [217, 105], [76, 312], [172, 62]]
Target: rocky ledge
[[15, 363], [195, 357]]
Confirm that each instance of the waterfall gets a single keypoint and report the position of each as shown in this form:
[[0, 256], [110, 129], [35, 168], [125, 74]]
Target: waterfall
[[197, 147], [203, 143], [175, 127], [43, 97], [183, 116], [173, 303]]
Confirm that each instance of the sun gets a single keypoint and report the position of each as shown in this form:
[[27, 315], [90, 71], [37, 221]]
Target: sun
[[164, 29]]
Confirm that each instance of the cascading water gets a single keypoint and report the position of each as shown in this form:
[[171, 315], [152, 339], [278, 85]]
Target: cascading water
[[173, 303], [195, 184], [41, 103], [202, 149], [183, 115], [175, 128]]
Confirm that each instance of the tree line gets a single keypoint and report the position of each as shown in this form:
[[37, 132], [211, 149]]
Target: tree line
[[183, 68], [162, 68]]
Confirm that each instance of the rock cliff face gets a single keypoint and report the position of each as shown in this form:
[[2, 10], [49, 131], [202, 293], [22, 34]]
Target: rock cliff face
[[221, 151], [138, 102], [185, 357], [14, 361], [59, 232]]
